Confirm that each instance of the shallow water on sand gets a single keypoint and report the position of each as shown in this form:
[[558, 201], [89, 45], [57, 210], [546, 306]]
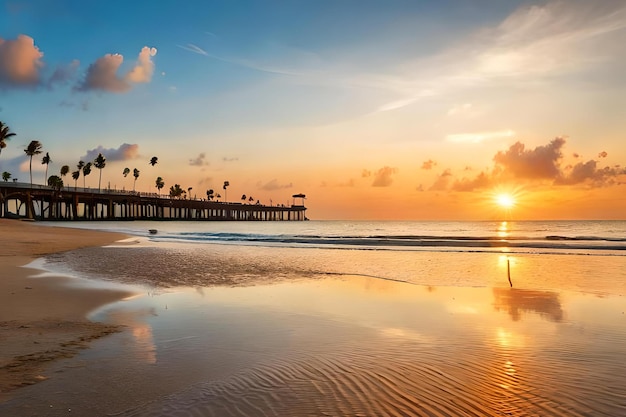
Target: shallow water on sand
[[239, 331], [358, 346]]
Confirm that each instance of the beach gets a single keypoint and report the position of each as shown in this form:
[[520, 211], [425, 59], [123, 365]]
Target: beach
[[43, 319], [223, 323]]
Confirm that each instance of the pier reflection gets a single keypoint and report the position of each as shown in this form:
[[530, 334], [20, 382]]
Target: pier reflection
[[516, 301]]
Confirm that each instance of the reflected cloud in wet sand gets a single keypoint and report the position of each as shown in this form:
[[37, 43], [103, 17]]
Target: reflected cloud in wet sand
[[143, 349], [516, 301]]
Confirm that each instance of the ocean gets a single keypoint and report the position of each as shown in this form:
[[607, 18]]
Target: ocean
[[520, 236], [423, 253], [353, 318]]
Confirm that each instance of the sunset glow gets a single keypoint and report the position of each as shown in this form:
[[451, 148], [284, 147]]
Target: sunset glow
[[377, 111]]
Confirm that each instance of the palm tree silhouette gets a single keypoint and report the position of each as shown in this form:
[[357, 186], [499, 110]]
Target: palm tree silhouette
[[64, 170], [55, 182], [136, 175], [99, 162], [86, 171], [5, 135], [46, 161], [226, 184], [159, 184], [176, 191], [153, 160], [80, 166], [126, 172], [33, 148], [244, 198], [75, 176], [6, 176], [189, 192], [210, 194]]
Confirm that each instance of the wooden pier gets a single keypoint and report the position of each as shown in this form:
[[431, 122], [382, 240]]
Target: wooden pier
[[21, 200]]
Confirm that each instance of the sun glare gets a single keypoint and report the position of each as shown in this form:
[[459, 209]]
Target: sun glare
[[505, 201]]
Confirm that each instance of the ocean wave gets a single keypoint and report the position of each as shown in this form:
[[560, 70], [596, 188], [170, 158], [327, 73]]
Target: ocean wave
[[549, 242]]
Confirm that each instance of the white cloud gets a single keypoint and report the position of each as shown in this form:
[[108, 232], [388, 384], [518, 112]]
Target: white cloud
[[103, 74], [20, 62], [144, 68]]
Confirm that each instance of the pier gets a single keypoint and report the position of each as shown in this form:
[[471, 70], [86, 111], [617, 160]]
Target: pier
[[23, 200]]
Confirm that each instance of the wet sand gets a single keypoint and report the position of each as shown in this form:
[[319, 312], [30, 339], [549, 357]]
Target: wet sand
[[42, 320], [253, 331]]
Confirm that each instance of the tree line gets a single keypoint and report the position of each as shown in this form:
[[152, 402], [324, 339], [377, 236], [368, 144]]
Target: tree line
[[35, 147]]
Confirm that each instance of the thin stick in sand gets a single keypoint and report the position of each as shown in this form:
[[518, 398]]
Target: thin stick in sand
[[508, 271]]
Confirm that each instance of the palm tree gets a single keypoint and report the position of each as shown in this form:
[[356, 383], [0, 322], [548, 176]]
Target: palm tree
[[226, 184], [5, 134], [125, 173], [244, 198], [210, 194], [86, 171], [218, 196], [55, 182], [79, 166], [159, 183], [46, 161], [136, 175], [33, 148], [153, 160], [176, 191], [75, 176], [64, 170], [189, 192], [6, 176], [100, 162], [250, 199]]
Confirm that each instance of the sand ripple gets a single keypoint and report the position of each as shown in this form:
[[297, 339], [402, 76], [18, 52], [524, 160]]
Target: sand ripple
[[398, 382]]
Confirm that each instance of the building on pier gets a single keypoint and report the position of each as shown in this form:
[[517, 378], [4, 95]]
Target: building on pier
[[20, 200]]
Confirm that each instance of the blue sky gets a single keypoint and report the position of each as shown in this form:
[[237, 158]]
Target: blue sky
[[347, 101]]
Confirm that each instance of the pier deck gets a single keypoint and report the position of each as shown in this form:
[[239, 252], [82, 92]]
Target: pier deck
[[21, 200]]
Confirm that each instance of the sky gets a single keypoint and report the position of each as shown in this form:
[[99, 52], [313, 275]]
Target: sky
[[390, 110]]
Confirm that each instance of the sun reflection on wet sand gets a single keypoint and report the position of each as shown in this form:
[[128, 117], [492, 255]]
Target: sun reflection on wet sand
[[509, 339]]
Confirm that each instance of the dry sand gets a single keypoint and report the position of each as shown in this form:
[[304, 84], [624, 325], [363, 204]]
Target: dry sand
[[43, 319]]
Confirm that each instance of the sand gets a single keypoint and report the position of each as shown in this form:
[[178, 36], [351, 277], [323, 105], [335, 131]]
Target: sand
[[44, 319], [238, 330]]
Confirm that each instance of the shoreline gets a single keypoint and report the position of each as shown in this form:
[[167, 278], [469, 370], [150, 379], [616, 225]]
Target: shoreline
[[44, 319]]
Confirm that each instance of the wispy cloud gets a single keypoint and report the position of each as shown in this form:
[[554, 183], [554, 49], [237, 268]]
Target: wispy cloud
[[199, 160], [242, 62], [479, 137], [273, 185], [194, 48], [533, 43], [428, 165]]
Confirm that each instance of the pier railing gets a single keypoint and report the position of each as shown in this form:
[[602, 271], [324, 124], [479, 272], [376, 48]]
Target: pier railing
[[22, 200]]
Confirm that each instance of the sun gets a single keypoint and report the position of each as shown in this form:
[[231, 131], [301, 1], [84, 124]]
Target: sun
[[505, 200]]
